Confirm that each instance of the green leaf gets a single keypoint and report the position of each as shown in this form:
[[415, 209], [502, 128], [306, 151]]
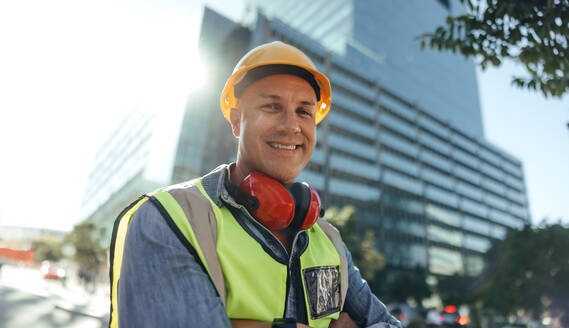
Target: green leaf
[[533, 33]]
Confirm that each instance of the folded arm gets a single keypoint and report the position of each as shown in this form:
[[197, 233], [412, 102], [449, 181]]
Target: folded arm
[[361, 304]]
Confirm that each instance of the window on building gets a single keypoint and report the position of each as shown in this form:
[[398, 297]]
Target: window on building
[[398, 162], [473, 207], [443, 215], [434, 143], [476, 225], [435, 177], [397, 124], [514, 182], [353, 146], [476, 243], [351, 124], [442, 196], [371, 217], [444, 235], [403, 182], [353, 190], [465, 158], [354, 166], [464, 143], [435, 160], [433, 126], [467, 174], [516, 196], [398, 143], [497, 202], [395, 221], [490, 156], [492, 171], [445, 261], [406, 254], [397, 107], [494, 186], [353, 84], [404, 202], [353, 105], [469, 190]]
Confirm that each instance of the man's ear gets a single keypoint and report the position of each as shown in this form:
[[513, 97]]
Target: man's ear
[[235, 121]]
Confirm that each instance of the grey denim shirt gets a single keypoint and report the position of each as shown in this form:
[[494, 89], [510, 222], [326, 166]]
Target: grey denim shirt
[[162, 285]]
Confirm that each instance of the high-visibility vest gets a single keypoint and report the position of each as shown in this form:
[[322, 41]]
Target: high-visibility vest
[[250, 283]]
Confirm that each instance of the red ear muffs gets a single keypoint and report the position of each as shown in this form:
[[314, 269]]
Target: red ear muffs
[[277, 207]]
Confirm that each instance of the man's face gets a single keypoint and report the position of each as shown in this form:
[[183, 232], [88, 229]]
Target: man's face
[[275, 123]]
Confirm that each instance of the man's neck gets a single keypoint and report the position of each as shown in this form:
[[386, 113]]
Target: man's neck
[[236, 174]]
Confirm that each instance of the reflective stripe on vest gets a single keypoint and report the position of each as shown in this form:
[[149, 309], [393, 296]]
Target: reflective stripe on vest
[[232, 270], [116, 253]]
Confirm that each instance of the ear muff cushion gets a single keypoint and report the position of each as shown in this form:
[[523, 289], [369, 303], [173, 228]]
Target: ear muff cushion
[[301, 195]]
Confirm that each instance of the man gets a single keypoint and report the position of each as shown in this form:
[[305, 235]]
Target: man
[[235, 247]]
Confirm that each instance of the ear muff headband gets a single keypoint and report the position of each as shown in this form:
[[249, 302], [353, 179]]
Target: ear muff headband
[[301, 195]]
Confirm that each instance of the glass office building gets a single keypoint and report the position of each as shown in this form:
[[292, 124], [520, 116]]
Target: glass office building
[[137, 158], [403, 141], [379, 37]]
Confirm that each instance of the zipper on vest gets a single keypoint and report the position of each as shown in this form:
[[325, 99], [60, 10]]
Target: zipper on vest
[[287, 290], [289, 269]]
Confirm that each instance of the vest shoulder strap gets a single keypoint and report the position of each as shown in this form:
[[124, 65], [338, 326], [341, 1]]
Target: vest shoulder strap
[[202, 219], [336, 240]]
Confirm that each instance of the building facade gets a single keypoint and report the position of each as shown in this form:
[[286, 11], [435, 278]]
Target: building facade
[[410, 157], [423, 178], [137, 158], [380, 38]]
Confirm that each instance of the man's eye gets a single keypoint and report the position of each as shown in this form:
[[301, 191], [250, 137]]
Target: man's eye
[[304, 112], [270, 106]]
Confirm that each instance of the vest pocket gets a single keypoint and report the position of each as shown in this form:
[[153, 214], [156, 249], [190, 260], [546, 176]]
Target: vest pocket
[[322, 286]]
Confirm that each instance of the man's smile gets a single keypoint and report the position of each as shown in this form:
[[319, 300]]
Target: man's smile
[[283, 146]]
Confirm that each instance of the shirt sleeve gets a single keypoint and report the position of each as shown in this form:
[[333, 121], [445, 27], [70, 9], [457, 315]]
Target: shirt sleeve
[[161, 284], [361, 304]]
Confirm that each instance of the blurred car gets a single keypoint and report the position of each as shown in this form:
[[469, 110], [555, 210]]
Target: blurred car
[[408, 316], [51, 271], [449, 317]]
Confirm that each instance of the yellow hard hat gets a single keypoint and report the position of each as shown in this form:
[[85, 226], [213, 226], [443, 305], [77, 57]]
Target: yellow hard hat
[[286, 58]]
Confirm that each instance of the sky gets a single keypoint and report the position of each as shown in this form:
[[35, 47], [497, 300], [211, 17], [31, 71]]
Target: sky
[[70, 70], [534, 129]]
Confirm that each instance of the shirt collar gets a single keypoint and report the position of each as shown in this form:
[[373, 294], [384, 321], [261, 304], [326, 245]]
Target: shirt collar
[[214, 184]]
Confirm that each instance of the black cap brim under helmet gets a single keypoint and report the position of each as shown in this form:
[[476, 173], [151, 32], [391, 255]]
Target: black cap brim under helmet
[[260, 72]]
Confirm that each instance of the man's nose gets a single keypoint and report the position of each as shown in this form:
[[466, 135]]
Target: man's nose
[[289, 121]]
